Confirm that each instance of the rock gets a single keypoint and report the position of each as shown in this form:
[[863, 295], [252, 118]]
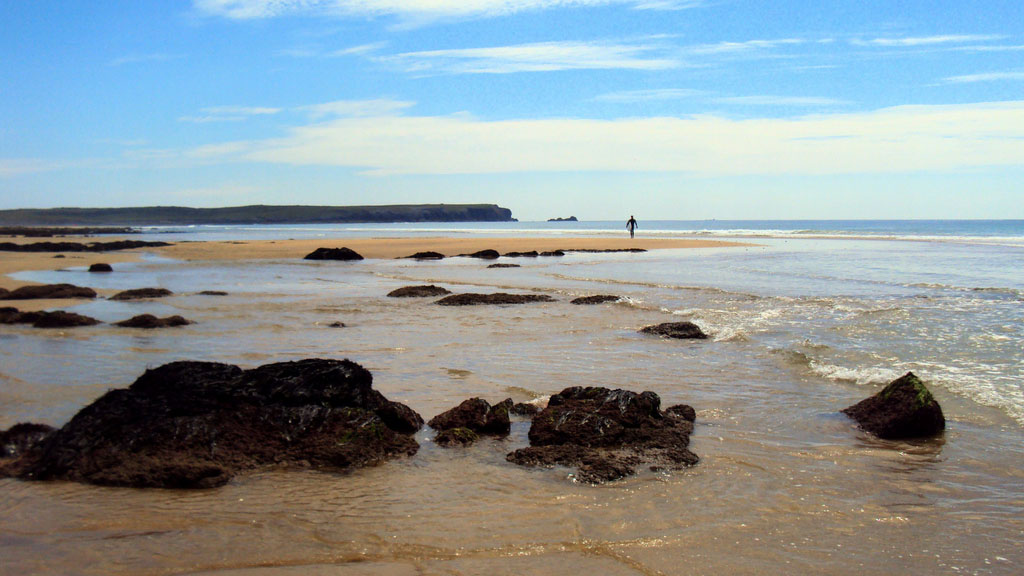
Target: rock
[[427, 256], [530, 254], [78, 246], [525, 409], [456, 437], [553, 253], [19, 438], [682, 411], [903, 409], [419, 292], [59, 256], [197, 424], [142, 293], [606, 434], [4, 292], [504, 266], [569, 219], [336, 325], [212, 293], [477, 415], [59, 319], [484, 254], [496, 298], [101, 267], [333, 254], [599, 299], [150, 321], [676, 330], [9, 315], [49, 291]]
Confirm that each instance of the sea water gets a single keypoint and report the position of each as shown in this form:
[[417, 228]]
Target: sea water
[[810, 318]]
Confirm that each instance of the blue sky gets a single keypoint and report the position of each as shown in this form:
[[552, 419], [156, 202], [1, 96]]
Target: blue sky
[[684, 109]]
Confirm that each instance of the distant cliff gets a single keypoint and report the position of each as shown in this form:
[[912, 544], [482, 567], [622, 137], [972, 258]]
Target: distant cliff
[[176, 215]]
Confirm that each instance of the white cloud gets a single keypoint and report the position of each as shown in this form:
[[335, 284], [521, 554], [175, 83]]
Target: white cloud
[[985, 77], [928, 40], [228, 114], [630, 96], [413, 9], [536, 57], [357, 108], [890, 140], [769, 100], [747, 47], [10, 167]]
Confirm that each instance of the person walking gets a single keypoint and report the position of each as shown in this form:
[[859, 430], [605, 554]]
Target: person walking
[[631, 225]]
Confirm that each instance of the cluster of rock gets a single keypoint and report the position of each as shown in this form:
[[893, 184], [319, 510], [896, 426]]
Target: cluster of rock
[[64, 319], [79, 246], [471, 299]]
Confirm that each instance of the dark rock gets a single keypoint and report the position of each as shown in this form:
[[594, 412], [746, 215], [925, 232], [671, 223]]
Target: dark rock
[[676, 330], [606, 434], [427, 256], [19, 438], [212, 293], [569, 219], [553, 253], [78, 246], [197, 424], [484, 254], [530, 254], [496, 298], [9, 315], [456, 437], [683, 411], [4, 292], [142, 293], [59, 319], [419, 292], [59, 256], [525, 409], [336, 325], [101, 267], [504, 266], [599, 299], [477, 415], [903, 409], [150, 321], [333, 254], [49, 291]]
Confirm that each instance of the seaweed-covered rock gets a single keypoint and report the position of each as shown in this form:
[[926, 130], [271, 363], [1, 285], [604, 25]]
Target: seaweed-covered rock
[[496, 298], [197, 424], [59, 319], [477, 415], [142, 294], [504, 266], [49, 291], [598, 299], [903, 409], [456, 437], [681, 330], [16, 440], [333, 254], [606, 434], [419, 292], [484, 254], [427, 256], [151, 321], [101, 267]]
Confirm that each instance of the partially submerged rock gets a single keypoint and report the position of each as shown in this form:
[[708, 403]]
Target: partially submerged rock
[[903, 409], [151, 321], [101, 267], [484, 254], [46, 291], [197, 424], [427, 256], [59, 319], [682, 330], [605, 434], [553, 253], [456, 437], [597, 299], [496, 298], [504, 266], [333, 254], [530, 254], [525, 409], [212, 293], [477, 416], [19, 438], [142, 294], [79, 246], [419, 292]]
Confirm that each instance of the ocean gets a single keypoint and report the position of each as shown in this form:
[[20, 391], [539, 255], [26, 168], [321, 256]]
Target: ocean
[[805, 318]]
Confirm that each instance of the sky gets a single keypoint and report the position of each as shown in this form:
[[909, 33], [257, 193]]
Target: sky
[[666, 109]]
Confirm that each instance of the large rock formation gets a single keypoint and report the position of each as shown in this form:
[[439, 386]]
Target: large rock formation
[[333, 254], [196, 424], [606, 434], [496, 298], [682, 330], [49, 291], [903, 409], [419, 292]]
